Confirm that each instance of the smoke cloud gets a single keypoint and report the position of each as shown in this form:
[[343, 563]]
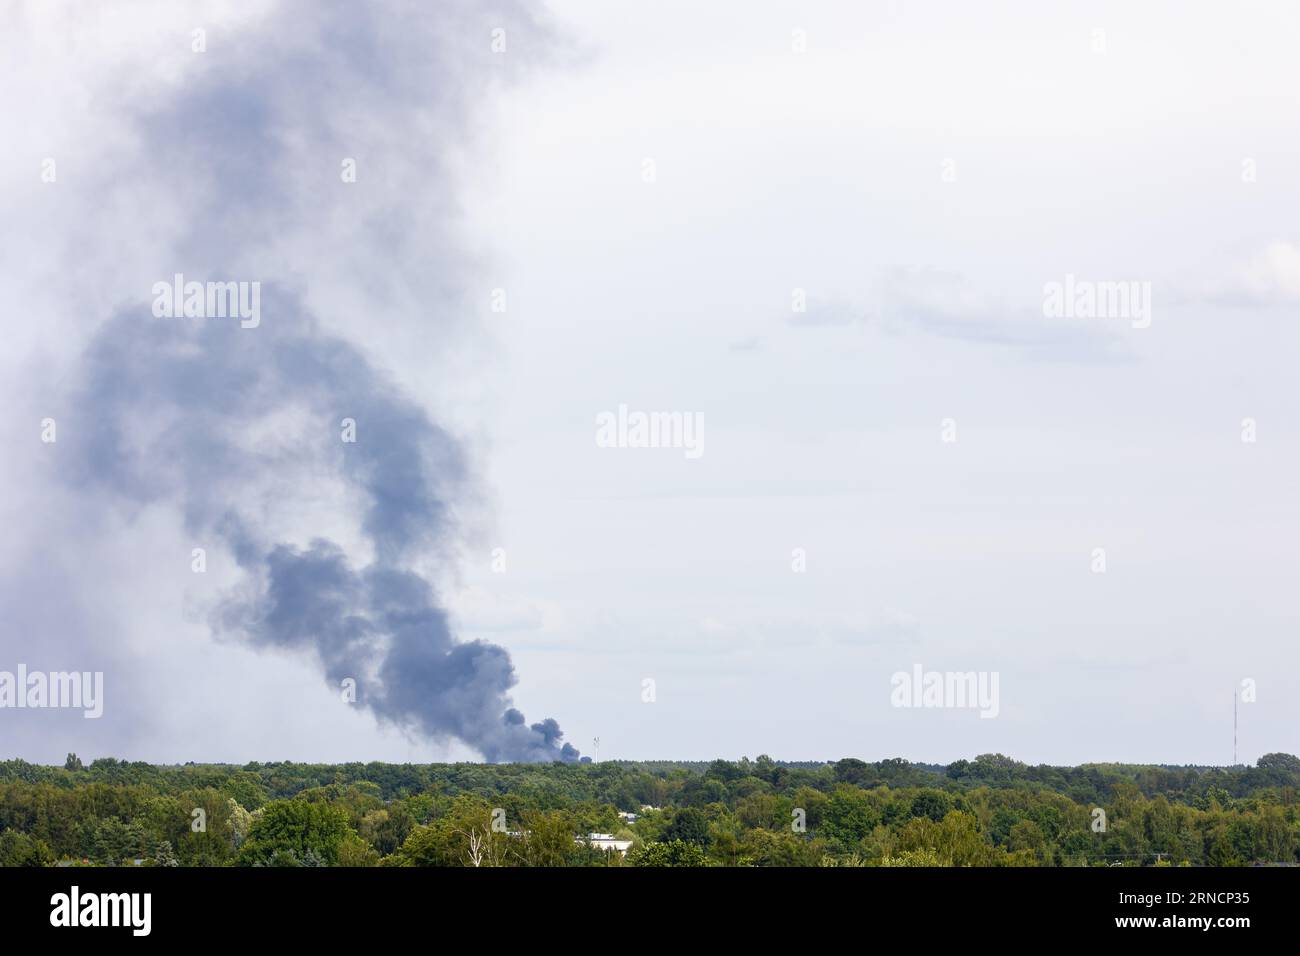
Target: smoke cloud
[[231, 150], [182, 410]]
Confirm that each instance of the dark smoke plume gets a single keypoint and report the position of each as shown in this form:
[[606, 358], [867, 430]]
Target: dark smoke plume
[[241, 426], [175, 409]]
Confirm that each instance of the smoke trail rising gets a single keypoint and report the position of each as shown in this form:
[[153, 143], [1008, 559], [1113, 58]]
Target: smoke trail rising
[[178, 410], [236, 150]]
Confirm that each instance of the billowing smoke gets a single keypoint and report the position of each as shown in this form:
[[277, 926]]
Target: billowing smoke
[[211, 415], [307, 148]]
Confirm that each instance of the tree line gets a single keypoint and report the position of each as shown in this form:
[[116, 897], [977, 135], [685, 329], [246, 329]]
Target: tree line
[[990, 811]]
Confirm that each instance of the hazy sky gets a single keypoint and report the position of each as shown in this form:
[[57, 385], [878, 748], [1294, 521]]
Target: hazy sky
[[647, 190]]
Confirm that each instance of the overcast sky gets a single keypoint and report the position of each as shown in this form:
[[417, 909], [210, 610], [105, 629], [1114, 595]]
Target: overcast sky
[[623, 207]]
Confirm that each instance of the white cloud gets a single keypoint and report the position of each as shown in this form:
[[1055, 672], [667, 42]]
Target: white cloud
[[1270, 277]]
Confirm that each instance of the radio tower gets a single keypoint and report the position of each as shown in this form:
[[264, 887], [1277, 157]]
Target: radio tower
[[1234, 728]]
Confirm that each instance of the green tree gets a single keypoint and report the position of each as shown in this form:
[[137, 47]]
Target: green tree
[[356, 852], [19, 849], [669, 853], [848, 816], [548, 839], [689, 825], [294, 827], [934, 804], [163, 855], [923, 856]]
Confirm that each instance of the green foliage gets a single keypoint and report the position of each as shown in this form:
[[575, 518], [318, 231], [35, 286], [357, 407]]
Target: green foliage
[[670, 853], [987, 811], [296, 829], [850, 814], [919, 857], [934, 804], [19, 849], [164, 855], [689, 825], [547, 839], [356, 852]]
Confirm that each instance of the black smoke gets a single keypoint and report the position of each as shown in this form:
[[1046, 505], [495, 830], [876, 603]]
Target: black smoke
[[218, 418], [241, 427]]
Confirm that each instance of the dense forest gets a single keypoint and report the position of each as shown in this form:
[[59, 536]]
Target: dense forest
[[990, 811]]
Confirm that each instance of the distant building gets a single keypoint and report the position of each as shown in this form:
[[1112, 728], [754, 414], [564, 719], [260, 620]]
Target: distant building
[[601, 841], [608, 842]]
